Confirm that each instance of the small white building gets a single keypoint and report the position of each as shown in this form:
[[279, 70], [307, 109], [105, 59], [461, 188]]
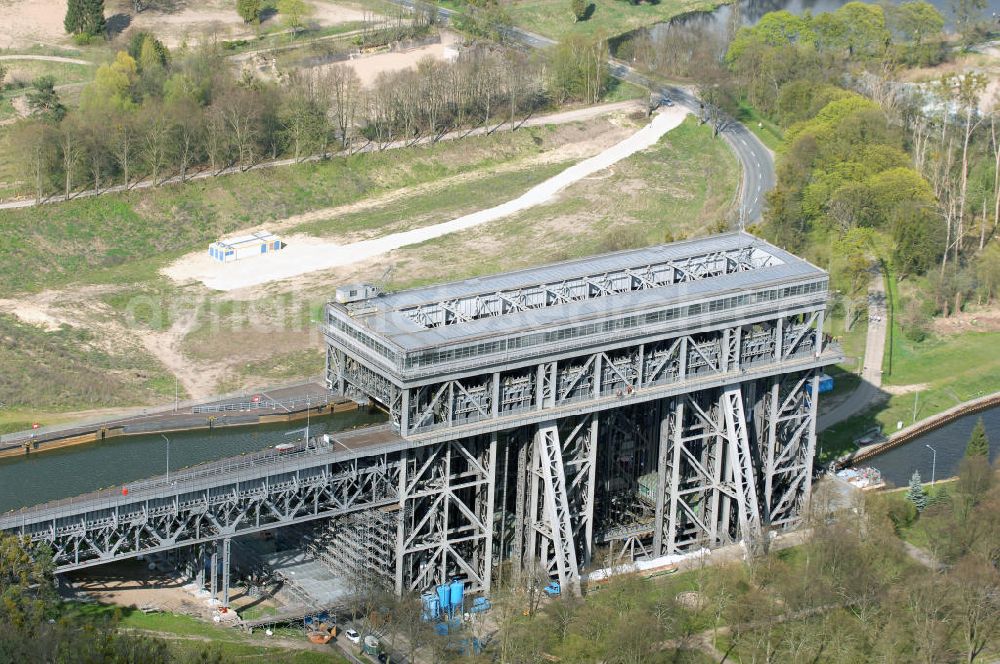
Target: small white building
[[245, 246]]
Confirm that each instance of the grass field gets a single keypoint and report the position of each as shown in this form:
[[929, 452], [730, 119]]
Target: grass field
[[54, 244], [68, 369], [681, 187], [187, 636], [553, 18]]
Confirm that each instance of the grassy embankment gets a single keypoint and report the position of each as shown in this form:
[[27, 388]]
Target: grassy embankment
[[948, 369], [186, 636], [119, 242], [681, 187]]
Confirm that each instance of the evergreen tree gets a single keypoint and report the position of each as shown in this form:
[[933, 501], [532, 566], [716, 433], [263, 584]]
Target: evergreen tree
[[74, 17], [84, 17], [979, 444], [93, 21], [579, 8], [43, 101], [916, 493]]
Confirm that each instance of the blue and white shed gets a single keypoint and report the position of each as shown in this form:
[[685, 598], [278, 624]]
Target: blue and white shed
[[245, 246]]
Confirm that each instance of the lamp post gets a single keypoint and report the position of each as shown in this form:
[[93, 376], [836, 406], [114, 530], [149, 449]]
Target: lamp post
[[168, 456], [933, 462]]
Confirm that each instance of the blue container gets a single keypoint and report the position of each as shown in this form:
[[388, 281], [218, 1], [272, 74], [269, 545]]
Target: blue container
[[457, 595], [825, 383], [430, 602], [444, 597]]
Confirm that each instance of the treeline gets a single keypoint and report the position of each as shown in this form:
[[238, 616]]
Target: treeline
[[155, 114], [37, 626], [871, 167], [850, 593]]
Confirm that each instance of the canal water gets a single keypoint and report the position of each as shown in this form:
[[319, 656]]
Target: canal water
[[898, 464], [71, 471]]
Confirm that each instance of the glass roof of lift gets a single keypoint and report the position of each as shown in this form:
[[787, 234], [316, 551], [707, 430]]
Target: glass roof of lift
[[597, 286]]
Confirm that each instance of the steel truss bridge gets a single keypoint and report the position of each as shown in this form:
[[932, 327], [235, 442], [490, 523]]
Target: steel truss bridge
[[625, 406]]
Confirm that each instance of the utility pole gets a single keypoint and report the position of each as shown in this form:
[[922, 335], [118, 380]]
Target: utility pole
[[933, 463]]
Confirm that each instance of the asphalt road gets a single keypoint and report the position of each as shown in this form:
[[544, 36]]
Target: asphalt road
[[755, 159], [869, 391]]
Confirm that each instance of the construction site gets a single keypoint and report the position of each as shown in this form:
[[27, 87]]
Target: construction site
[[638, 406]]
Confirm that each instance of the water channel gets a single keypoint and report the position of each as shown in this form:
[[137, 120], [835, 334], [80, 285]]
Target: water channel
[[749, 12], [71, 471], [898, 464], [671, 45]]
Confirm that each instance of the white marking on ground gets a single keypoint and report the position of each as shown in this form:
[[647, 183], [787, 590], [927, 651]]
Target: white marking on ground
[[305, 254]]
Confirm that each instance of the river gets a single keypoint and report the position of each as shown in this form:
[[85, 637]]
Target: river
[[709, 30], [898, 464], [71, 471]]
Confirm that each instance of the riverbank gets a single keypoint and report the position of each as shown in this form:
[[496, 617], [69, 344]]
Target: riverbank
[[918, 429]]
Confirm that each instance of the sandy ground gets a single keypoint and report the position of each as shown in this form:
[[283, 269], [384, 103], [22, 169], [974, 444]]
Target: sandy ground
[[306, 254], [368, 67], [219, 19], [975, 319], [28, 22]]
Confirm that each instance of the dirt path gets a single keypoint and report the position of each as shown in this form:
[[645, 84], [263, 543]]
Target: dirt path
[[308, 254], [198, 378], [47, 58]]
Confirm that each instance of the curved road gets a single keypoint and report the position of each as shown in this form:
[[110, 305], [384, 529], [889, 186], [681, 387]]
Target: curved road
[[755, 159]]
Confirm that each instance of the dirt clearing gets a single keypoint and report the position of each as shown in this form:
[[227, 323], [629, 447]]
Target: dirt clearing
[[29, 22], [368, 67]]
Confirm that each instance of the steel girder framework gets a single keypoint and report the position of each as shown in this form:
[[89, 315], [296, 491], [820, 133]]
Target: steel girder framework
[[587, 287], [90, 532], [492, 400]]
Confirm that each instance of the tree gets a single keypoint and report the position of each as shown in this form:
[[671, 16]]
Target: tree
[[979, 444], [34, 143], [976, 598], [579, 8], [43, 101], [249, 10], [916, 494], [967, 15], [294, 12], [84, 17], [915, 20], [3, 74]]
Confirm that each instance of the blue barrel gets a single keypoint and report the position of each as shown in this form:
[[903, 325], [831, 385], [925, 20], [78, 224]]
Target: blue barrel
[[444, 596], [457, 595]]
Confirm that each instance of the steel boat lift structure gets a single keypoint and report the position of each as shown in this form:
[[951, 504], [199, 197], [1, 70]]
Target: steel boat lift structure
[[652, 402], [557, 419]]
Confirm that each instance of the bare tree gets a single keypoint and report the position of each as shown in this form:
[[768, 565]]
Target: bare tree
[[71, 150], [124, 142], [976, 601], [187, 130], [345, 94], [155, 139]]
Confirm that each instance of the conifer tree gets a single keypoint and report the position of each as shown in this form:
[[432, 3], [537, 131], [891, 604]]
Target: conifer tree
[[979, 444], [916, 493]]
